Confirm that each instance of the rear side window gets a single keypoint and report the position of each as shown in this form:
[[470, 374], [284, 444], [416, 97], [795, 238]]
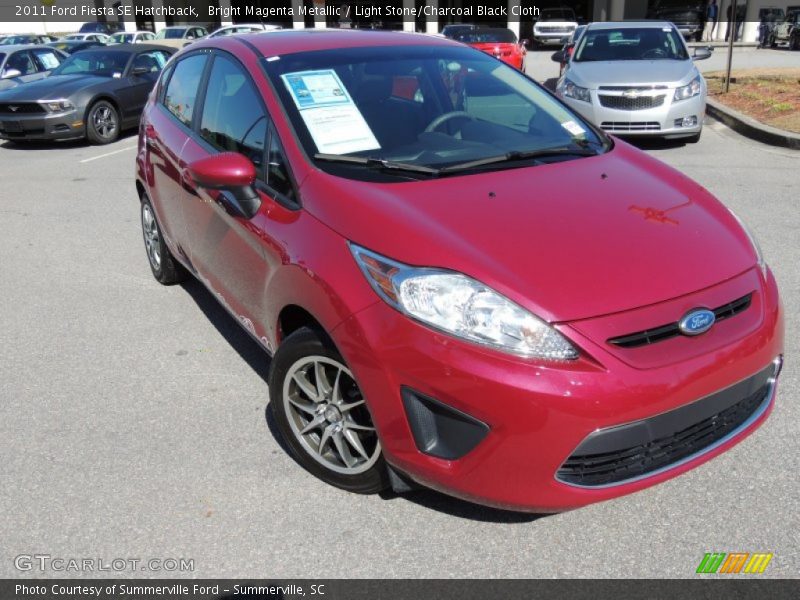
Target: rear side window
[[181, 94], [234, 119]]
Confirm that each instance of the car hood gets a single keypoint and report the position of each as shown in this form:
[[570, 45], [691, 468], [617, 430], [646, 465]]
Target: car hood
[[567, 241], [631, 72], [55, 86]]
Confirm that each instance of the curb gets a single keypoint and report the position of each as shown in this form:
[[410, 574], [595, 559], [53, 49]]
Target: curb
[[751, 128]]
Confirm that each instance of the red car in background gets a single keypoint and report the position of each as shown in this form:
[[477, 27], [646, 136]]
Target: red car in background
[[462, 283], [498, 42]]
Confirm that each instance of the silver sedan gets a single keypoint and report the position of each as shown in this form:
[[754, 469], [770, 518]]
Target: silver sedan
[[636, 78]]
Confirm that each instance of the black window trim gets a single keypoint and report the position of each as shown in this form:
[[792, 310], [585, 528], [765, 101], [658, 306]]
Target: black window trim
[[198, 114]]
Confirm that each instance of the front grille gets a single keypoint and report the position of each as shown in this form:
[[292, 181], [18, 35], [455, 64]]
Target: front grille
[[631, 126], [554, 29], [644, 447], [21, 108], [670, 330], [628, 103], [632, 88]]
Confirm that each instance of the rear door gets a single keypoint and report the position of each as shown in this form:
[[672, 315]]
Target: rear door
[[168, 126]]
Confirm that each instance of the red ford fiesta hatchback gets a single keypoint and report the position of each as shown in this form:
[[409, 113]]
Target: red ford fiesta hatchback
[[468, 286]]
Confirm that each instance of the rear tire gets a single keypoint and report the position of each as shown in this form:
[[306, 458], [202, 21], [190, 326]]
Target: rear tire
[[322, 415], [102, 123], [795, 43], [165, 268]]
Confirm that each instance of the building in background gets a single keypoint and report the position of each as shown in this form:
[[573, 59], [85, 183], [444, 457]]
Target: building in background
[[344, 13]]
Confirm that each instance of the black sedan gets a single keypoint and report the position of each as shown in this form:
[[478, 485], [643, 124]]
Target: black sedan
[[95, 93]]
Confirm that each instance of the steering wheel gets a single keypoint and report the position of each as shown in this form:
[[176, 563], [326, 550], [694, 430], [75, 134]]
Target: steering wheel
[[654, 53], [443, 118]]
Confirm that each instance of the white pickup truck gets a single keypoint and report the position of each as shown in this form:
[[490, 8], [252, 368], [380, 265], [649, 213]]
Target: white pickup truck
[[554, 25]]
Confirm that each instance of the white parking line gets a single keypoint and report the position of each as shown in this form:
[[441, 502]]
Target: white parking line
[[85, 160]]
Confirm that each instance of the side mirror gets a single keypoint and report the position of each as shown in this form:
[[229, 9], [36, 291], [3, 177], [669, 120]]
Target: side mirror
[[525, 42], [231, 173], [9, 73], [702, 53], [190, 36], [558, 57]]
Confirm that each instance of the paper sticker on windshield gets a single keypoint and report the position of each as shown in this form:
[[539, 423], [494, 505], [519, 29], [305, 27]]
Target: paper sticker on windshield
[[316, 88], [50, 61], [333, 120], [573, 128]]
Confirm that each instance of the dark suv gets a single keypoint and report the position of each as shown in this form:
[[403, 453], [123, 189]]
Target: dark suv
[[687, 15]]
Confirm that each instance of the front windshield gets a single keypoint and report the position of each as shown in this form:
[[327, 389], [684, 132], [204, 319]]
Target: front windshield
[[171, 34], [105, 64], [432, 107], [16, 39], [645, 43], [487, 36], [122, 38]]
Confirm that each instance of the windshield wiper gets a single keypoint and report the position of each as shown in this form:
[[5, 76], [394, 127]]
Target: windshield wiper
[[518, 155], [379, 163]]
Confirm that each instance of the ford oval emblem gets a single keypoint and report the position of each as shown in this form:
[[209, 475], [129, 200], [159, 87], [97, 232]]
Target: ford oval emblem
[[697, 321]]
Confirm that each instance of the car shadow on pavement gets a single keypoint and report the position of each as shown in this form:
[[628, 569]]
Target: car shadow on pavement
[[462, 509], [258, 360], [60, 145], [228, 327], [643, 143]]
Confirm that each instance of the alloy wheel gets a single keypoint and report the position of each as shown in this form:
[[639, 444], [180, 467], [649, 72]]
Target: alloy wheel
[[328, 415], [104, 121], [152, 239]]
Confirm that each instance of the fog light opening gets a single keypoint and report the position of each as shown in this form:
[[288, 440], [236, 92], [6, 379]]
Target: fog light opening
[[686, 122]]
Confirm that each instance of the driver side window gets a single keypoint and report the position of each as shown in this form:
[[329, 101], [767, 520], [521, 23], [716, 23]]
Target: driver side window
[[22, 62]]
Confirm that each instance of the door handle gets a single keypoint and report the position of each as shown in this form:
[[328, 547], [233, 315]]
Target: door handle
[[150, 135]]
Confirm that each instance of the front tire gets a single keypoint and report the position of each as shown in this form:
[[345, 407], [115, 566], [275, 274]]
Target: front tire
[[323, 416], [165, 268], [102, 123], [695, 138]]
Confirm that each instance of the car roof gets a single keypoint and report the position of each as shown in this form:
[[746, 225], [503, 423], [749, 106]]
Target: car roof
[[128, 48], [629, 25], [15, 47], [290, 41]]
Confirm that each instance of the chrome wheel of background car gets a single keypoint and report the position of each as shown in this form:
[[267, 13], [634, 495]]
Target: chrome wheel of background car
[[328, 415], [102, 123], [152, 240]]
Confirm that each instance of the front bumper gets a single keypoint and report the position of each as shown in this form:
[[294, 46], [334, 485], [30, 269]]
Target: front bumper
[[550, 39], [660, 121], [537, 413], [42, 126]]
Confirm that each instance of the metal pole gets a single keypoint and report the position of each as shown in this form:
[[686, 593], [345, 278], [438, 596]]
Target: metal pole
[[732, 34]]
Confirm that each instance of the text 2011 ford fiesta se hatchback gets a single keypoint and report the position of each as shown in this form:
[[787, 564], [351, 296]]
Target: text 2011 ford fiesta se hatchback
[[463, 283]]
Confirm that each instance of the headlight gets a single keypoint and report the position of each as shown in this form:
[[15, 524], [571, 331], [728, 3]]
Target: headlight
[[456, 304], [762, 264], [57, 105], [571, 90], [689, 91]]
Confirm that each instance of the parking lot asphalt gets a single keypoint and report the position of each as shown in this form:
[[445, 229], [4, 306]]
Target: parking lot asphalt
[[132, 421]]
